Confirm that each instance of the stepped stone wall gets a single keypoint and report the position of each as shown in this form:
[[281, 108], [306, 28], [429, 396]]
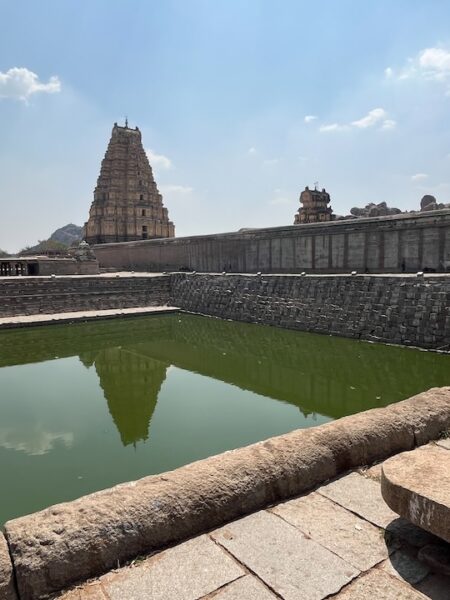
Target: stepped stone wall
[[394, 244], [32, 295], [399, 309]]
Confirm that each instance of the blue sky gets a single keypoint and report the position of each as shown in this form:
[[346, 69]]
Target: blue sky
[[241, 104]]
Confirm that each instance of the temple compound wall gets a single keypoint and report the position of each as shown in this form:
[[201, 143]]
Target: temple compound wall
[[402, 243]]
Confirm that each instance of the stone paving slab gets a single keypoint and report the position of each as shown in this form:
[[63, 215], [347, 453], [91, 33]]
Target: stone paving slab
[[362, 496], [83, 315], [186, 572], [90, 591], [445, 443], [245, 588], [406, 567], [279, 554], [417, 485], [353, 539], [377, 585]]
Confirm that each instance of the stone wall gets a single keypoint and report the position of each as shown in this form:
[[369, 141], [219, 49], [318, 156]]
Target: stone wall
[[34, 295], [394, 244], [399, 309]]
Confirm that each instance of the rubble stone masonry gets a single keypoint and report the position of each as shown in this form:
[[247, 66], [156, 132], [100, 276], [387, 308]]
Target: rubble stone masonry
[[404, 310]]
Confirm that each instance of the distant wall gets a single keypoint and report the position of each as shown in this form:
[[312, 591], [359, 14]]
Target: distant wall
[[403, 243], [401, 309], [34, 295]]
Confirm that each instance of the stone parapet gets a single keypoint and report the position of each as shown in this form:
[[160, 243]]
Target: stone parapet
[[73, 541]]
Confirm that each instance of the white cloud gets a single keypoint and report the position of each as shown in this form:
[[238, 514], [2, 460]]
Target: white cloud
[[419, 177], [389, 124], [158, 161], [176, 189], [20, 84], [430, 64], [372, 118], [435, 63], [332, 127], [310, 118], [377, 116], [270, 162], [251, 150]]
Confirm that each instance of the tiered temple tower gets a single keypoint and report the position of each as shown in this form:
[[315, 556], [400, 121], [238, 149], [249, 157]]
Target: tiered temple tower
[[127, 204], [315, 207]]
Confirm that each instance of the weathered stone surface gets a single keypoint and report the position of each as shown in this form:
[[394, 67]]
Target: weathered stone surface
[[74, 541], [7, 587], [292, 565], [417, 486], [444, 443], [437, 557], [245, 588], [89, 591], [362, 496], [372, 472], [378, 586], [186, 572], [403, 565], [353, 539]]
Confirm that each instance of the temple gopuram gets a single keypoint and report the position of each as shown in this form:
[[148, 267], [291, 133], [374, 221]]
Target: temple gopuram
[[315, 207], [127, 205]]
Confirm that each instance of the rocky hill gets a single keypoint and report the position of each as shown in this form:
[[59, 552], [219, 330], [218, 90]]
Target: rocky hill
[[57, 243], [68, 235]]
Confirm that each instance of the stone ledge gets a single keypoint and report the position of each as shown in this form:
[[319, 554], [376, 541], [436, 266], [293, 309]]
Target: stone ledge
[[416, 485], [7, 585], [70, 542]]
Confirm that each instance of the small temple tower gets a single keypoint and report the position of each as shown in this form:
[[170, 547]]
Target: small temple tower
[[127, 204], [315, 207]]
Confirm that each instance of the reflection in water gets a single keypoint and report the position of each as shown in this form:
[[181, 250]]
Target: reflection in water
[[75, 399], [131, 384], [317, 374], [33, 440]]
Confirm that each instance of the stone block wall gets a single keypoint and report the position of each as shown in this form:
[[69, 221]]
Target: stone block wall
[[34, 295], [399, 309], [403, 243]]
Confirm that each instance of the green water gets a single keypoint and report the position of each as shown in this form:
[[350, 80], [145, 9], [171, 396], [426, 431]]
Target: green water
[[86, 406]]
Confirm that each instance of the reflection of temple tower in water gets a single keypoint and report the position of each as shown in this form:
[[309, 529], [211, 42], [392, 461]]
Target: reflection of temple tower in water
[[131, 384]]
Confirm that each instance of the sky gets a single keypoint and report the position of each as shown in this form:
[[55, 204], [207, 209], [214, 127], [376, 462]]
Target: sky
[[241, 104]]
